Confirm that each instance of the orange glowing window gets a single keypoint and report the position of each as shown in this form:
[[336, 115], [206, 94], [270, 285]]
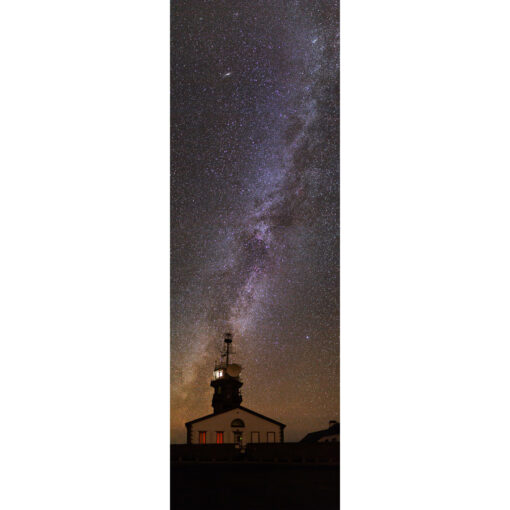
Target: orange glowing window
[[219, 437], [201, 437]]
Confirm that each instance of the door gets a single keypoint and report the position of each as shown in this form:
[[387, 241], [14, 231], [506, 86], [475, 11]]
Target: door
[[238, 438]]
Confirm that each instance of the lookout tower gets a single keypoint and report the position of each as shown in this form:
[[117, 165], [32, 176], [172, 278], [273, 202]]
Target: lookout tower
[[226, 382]]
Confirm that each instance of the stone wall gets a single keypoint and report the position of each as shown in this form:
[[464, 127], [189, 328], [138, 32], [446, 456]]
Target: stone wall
[[289, 453]]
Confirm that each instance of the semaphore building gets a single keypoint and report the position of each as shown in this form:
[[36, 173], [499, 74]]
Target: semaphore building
[[231, 423]]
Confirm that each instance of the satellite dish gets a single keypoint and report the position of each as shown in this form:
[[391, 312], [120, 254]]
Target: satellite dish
[[234, 370]]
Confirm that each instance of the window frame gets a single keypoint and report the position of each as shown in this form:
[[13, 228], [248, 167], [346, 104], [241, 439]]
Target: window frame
[[202, 434], [273, 435], [220, 434]]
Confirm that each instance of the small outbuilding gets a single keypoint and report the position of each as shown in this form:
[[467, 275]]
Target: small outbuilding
[[329, 435]]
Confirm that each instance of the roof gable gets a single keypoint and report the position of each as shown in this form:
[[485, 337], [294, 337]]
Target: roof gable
[[312, 437], [230, 410]]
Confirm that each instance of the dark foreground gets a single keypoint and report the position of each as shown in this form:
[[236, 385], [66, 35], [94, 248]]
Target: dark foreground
[[247, 486]]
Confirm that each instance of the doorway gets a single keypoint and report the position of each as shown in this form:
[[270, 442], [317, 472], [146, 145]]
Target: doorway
[[238, 438]]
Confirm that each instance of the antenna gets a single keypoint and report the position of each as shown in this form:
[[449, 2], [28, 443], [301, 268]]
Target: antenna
[[228, 341]]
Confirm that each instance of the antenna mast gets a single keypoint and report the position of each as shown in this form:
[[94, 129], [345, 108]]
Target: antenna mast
[[228, 341]]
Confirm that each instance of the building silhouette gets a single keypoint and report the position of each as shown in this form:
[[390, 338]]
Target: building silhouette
[[329, 435], [231, 423]]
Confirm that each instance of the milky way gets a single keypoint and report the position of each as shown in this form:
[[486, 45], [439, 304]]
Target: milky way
[[254, 206]]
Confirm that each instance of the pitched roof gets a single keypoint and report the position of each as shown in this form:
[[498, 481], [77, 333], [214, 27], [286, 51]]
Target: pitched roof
[[313, 437], [233, 409]]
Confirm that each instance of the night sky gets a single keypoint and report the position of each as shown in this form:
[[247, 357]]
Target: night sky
[[255, 206]]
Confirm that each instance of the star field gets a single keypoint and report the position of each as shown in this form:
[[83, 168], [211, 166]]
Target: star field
[[255, 206]]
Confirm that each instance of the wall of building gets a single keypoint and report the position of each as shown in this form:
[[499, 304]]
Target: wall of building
[[222, 422], [332, 438], [294, 453]]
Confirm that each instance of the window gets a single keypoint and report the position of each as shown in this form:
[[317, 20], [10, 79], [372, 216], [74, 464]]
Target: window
[[255, 437], [270, 437], [201, 437], [219, 437], [237, 423]]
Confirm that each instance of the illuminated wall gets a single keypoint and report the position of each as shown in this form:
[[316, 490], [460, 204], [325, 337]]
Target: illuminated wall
[[232, 429]]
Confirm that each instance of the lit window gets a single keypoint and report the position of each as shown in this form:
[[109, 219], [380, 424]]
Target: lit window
[[201, 437], [270, 437], [255, 437], [219, 437], [218, 374]]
